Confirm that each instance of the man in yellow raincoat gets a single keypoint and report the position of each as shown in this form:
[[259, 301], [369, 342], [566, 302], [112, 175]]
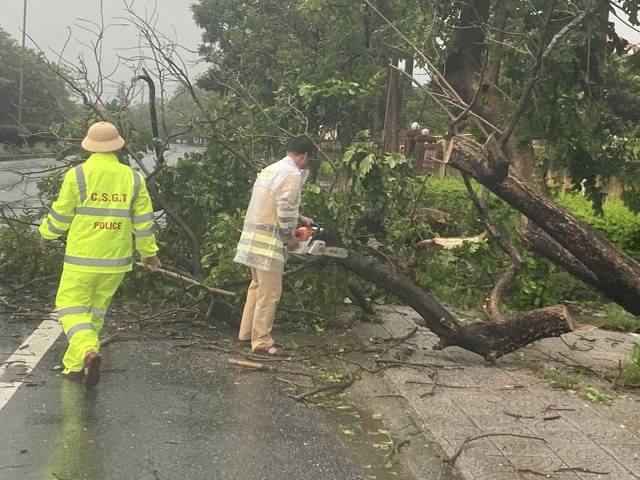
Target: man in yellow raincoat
[[101, 205], [269, 226]]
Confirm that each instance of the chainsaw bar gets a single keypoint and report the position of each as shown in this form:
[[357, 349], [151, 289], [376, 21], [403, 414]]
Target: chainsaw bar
[[319, 248], [336, 252]]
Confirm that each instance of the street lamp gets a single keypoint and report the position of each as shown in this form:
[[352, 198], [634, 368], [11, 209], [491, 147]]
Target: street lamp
[[24, 35]]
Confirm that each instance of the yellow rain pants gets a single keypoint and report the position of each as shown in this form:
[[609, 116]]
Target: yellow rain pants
[[81, 305]]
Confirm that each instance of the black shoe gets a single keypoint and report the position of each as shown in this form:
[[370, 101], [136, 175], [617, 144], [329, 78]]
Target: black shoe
[[91, 369]]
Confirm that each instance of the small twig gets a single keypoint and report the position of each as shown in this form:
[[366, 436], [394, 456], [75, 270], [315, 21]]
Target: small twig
[[168, 312], [581, 470], [359, 365], [265, 367], [110, 339], [182, 278], [396, 449], [289, 382], [430, 393], [338, 386], [533, 472], [454, 457], [552, 408], [575, 346], [516, 415], [394, 342], [552, 417], [419, 365], [410, 333], [37, 280]]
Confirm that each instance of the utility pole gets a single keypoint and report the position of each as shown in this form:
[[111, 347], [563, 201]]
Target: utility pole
[[24, 36]]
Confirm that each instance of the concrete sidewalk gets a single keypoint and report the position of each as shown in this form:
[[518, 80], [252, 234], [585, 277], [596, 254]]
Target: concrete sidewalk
[[573, 437]]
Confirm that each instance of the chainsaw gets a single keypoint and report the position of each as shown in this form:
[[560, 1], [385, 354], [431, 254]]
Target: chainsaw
[[311, 243]]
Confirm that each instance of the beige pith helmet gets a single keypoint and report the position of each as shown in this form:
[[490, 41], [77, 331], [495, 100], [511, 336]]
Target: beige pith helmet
[[102, 137]]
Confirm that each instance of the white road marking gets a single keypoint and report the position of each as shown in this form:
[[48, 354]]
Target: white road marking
[[27, 357]]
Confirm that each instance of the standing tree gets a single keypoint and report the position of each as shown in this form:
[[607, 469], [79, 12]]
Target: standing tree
[[46, 100]]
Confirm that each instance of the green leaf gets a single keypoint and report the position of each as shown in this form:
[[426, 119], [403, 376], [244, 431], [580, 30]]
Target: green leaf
[[366, 164], [595, 395]]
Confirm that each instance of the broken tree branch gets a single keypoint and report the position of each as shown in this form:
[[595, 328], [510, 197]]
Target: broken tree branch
[[187, 280], [492, 306], [337, 386], [265, 367]]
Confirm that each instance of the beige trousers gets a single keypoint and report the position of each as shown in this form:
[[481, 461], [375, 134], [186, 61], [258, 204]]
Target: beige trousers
[[260, 308]]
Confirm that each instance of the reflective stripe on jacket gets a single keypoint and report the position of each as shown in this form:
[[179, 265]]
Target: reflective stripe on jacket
[[272, 216], [101, 204]]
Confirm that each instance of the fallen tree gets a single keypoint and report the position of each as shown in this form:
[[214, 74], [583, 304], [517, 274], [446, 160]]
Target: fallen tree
[[614, 273], [506, 163], [490, 340]]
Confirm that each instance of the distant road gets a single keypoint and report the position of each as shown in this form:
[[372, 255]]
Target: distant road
[[19, 178]]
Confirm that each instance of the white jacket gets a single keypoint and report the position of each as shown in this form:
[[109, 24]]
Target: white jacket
[[272, 216]]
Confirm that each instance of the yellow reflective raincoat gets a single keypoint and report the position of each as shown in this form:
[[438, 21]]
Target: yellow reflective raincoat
[[102, 202], [272, 216]]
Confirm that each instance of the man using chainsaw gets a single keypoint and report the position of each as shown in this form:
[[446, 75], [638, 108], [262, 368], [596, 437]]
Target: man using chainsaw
[[270, 225], [101, 204]]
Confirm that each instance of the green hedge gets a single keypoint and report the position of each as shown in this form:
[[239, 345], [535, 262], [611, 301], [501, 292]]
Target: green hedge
[[464, 276], [618, 223]]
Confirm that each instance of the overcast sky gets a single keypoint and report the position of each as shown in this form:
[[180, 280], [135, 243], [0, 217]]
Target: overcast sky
[[47, 23]]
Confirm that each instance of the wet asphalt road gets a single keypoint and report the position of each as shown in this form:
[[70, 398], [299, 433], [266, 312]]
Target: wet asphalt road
[[162, 413], [19, 178], [159, 413]]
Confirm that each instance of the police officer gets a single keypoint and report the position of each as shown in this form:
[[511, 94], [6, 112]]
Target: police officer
[[101, 204]]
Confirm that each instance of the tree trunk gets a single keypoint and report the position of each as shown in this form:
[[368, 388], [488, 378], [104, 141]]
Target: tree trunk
[[391, 114], [539, 242], [489, 340], [463, 67], [512, 174], [613, 269]]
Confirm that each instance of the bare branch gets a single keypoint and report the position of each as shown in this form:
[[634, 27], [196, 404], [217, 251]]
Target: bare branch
[[534, 73]]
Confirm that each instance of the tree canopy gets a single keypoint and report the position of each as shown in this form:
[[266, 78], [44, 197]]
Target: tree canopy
[[46, 98]]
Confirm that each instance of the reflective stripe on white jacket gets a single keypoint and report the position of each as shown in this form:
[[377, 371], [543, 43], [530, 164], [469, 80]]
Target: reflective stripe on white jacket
[[272, 216]]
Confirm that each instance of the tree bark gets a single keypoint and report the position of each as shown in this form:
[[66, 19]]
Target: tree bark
[[489, 340], [539, 242], [463, 67]]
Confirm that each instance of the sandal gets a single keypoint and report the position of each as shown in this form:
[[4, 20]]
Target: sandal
[[271, 351]]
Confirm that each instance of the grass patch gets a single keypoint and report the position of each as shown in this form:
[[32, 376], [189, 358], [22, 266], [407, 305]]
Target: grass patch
[[630, 370], [561, 380], [619, 320]]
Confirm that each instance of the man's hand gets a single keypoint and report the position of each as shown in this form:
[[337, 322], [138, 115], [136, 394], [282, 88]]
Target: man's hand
[[152, 262], [305, 221]]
